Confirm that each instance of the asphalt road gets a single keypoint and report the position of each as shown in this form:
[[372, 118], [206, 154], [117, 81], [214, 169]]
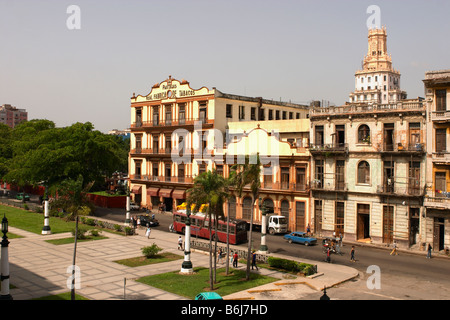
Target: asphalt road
[[406, 276]]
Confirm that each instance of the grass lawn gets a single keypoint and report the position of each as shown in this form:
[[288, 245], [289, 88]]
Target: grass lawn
[[72, 240], [33, 222], [143, 261], [190, 285]]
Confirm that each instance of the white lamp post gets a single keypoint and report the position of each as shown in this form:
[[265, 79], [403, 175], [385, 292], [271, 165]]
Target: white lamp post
[[5, 262], [186, 266], [46, 229]]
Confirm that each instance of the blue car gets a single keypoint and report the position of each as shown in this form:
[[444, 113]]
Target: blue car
[[300, 237]]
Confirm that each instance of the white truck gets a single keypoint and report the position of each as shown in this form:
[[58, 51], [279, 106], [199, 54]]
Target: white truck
[[277, 224]]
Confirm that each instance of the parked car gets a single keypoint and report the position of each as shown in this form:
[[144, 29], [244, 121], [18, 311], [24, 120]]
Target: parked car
[[21, 196], [300, 237], [208, 296], [148, 219], [134, 206]]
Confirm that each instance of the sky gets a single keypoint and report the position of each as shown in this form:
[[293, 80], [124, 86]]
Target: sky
[[295, 51]]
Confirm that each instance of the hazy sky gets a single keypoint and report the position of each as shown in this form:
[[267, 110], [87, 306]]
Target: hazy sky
[[293, 50]]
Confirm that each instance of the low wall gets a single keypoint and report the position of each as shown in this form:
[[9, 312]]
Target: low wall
[[108, 202]]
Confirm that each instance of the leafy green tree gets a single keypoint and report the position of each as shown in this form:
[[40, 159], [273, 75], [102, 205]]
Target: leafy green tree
[[5, 148], [44, 154], [212, 189], [242, 175]]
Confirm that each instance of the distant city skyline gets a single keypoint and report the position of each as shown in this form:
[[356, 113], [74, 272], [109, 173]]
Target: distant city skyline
[[295, 51]]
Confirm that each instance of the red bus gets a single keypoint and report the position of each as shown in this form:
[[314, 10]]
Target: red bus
[[200, 227]]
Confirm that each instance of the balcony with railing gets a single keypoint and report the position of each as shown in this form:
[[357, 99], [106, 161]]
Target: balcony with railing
[[156, 123], [152, 178], [321, 185], [401, 147], [329, 148], [405, 106], [285, 186], [437, 199], [443, 115]]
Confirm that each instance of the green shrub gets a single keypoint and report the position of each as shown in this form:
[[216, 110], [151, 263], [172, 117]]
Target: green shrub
[[129, 231], [290, 265], [95, 232], [81, 232], [90, 222], [26, 207], [151, 251]]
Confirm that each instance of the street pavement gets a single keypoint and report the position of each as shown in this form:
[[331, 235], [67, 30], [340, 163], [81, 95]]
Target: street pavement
[[38, 269]]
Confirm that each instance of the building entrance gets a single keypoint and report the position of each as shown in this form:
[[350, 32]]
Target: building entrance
[[363, 222]]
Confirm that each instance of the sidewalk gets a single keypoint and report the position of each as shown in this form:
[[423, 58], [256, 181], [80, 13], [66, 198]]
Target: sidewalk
[[38, 269]]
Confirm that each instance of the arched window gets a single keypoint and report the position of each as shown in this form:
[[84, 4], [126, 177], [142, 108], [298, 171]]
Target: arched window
[[363, 172], [269, 205], [363, 134], [247, 208]]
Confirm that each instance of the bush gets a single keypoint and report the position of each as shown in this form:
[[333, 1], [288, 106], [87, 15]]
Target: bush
[[151, 251], [90, 222], [26, 207], [81, 232], [129, 231], [95, 232], [291, 266]]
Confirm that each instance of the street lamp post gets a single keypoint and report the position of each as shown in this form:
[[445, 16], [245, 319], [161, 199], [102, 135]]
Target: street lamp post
[[127, 217], [5, 263], [46, 229], [186, 266], [263, 248]]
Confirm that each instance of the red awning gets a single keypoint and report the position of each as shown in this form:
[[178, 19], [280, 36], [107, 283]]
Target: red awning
[[152, 192], [137, 190], [179, 194], [166, 193]]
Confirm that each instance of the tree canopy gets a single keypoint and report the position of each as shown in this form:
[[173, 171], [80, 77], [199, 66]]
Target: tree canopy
[[37, 152]]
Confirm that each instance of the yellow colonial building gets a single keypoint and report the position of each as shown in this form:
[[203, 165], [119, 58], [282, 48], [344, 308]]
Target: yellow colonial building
[[178, 132]]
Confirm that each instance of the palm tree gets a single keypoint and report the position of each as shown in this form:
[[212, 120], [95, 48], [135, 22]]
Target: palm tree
[[209, 188], [242, 175], [72, 199]]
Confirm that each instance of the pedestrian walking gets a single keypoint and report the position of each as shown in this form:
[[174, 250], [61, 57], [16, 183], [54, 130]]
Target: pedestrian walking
[[147, 233], [352, 254], [394, 249], [254, 260], [328, 255], [429, 251], [340, 239], [138, 222], [308, 230], [231, 258], [219, 255], [180, 243], [235, 259]]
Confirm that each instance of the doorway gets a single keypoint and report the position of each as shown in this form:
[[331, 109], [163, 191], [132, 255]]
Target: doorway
[[363, 222], [388, 224], [438, 234]]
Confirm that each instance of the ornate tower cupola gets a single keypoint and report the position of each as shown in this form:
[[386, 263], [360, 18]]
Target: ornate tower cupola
[[377, 82]]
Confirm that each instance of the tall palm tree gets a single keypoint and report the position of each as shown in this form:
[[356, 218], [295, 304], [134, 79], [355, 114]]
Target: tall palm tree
[[248, 173], [209, 188], [72, 199]]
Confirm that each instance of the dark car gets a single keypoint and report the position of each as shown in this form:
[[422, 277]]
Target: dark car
[[300, 237], [146, 219]]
